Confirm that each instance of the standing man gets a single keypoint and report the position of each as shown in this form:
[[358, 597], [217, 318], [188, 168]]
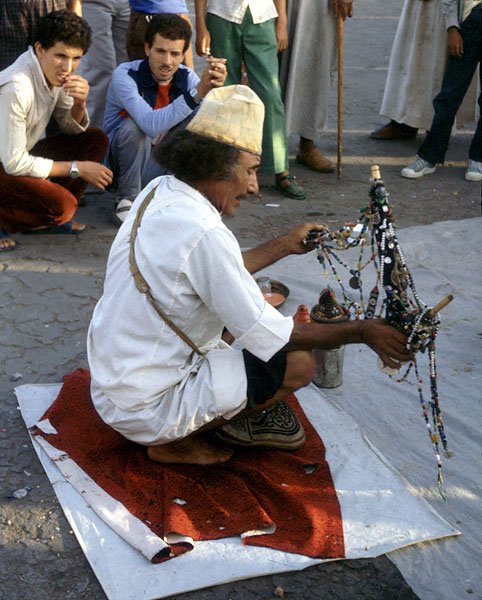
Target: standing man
[[161, 373], [147, 98], [415, 70], [42, 178], [108, 20], [18, 19], [307, 71], [463, 21], [253, 32]]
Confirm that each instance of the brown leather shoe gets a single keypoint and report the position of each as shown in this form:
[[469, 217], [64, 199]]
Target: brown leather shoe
[[393, 131], [314, 160]]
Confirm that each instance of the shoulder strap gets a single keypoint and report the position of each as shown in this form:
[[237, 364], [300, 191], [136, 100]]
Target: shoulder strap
[[141, 283]]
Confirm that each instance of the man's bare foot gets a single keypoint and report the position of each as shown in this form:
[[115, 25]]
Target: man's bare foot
[[73, 227], [6, 242], [193, 450]]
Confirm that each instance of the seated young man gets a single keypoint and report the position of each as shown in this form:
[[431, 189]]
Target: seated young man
[[42, 179], [147, 98]]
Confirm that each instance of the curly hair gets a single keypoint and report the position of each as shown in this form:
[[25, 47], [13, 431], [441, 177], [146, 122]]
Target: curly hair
[[191, 157], [169, 26], [63, 26]]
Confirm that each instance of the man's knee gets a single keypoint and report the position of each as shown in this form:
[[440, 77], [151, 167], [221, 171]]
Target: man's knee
[[129, 147], [300, 369], [130, 133]]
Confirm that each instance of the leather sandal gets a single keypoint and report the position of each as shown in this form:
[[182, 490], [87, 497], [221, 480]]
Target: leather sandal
[[288, 186]]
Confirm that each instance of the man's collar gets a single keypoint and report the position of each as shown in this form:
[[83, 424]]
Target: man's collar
[[145, 76]]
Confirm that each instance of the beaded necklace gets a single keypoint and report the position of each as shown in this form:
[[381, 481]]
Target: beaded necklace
[[401, 305]]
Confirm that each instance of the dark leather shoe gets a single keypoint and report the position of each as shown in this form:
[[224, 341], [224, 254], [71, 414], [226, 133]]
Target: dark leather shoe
[[392, 131], [314, 160], [277, 427]]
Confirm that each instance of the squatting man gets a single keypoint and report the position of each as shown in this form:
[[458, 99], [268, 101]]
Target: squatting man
[[162, 375]]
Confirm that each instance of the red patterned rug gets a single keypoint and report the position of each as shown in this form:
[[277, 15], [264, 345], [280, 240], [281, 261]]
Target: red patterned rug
[[255, 489]]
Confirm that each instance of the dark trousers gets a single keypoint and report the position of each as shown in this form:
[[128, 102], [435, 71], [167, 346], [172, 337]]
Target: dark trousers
[[30, 202], [456, 81]]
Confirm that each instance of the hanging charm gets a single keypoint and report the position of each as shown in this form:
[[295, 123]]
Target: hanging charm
[[393, 296]]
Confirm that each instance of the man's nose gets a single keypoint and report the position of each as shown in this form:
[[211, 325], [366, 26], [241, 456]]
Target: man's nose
[[68, 65], [253, 187]]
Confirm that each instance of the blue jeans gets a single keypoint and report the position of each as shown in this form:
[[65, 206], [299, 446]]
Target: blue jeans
[[456, 81]]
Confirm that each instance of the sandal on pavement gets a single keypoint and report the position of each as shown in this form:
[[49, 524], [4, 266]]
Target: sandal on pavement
[[287, 185], [4, 237], [70, 227], [121, 210], [277, 427]]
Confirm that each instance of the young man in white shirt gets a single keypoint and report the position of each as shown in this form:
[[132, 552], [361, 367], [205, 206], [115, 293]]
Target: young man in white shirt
[[42, 178]]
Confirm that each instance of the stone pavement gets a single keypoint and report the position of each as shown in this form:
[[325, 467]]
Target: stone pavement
[[49, 286]]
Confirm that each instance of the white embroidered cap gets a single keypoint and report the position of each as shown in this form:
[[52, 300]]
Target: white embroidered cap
[[232, 115]]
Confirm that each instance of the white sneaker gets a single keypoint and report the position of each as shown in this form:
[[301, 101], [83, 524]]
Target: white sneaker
[[418, 168], [474, 171], [121, 210]]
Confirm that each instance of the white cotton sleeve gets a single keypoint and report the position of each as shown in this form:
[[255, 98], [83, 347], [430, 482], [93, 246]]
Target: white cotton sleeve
[[217, 273]]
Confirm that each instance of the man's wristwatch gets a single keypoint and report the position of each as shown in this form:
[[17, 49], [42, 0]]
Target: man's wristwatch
[[196, 96], [74, 170]]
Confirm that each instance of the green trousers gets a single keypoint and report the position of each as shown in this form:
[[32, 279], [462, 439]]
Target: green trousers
[[255, 45]]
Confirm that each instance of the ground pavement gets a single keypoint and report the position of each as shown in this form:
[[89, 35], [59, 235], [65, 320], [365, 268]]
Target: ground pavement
[[49, 286]]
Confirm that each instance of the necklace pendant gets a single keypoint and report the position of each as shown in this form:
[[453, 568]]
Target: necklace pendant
[[354, 282]]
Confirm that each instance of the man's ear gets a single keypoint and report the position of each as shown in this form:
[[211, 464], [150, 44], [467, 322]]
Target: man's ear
[[38, 48], [146, 48]]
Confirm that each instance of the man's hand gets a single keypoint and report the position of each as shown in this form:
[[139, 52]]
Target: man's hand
[[213, 76], [455, 43], [281, 34], [77, 88], [203, 41], [295, 239], [95, 173], [386, 341], [342, 8]]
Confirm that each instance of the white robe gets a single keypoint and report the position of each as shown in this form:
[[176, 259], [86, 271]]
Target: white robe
[[308, 66], [417, 64], [147, 383]]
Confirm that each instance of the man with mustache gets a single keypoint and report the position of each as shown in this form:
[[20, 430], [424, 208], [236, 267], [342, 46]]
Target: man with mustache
[[42, 178], [162, 372], [147, 98]]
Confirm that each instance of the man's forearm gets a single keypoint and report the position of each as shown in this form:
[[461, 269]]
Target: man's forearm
[[200, 11], [309, 336], [75, 6], [78, 113], [281, 9], [265, 254]]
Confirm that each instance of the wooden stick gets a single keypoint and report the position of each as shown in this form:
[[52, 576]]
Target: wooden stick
[[340, 96], [442, 304]]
